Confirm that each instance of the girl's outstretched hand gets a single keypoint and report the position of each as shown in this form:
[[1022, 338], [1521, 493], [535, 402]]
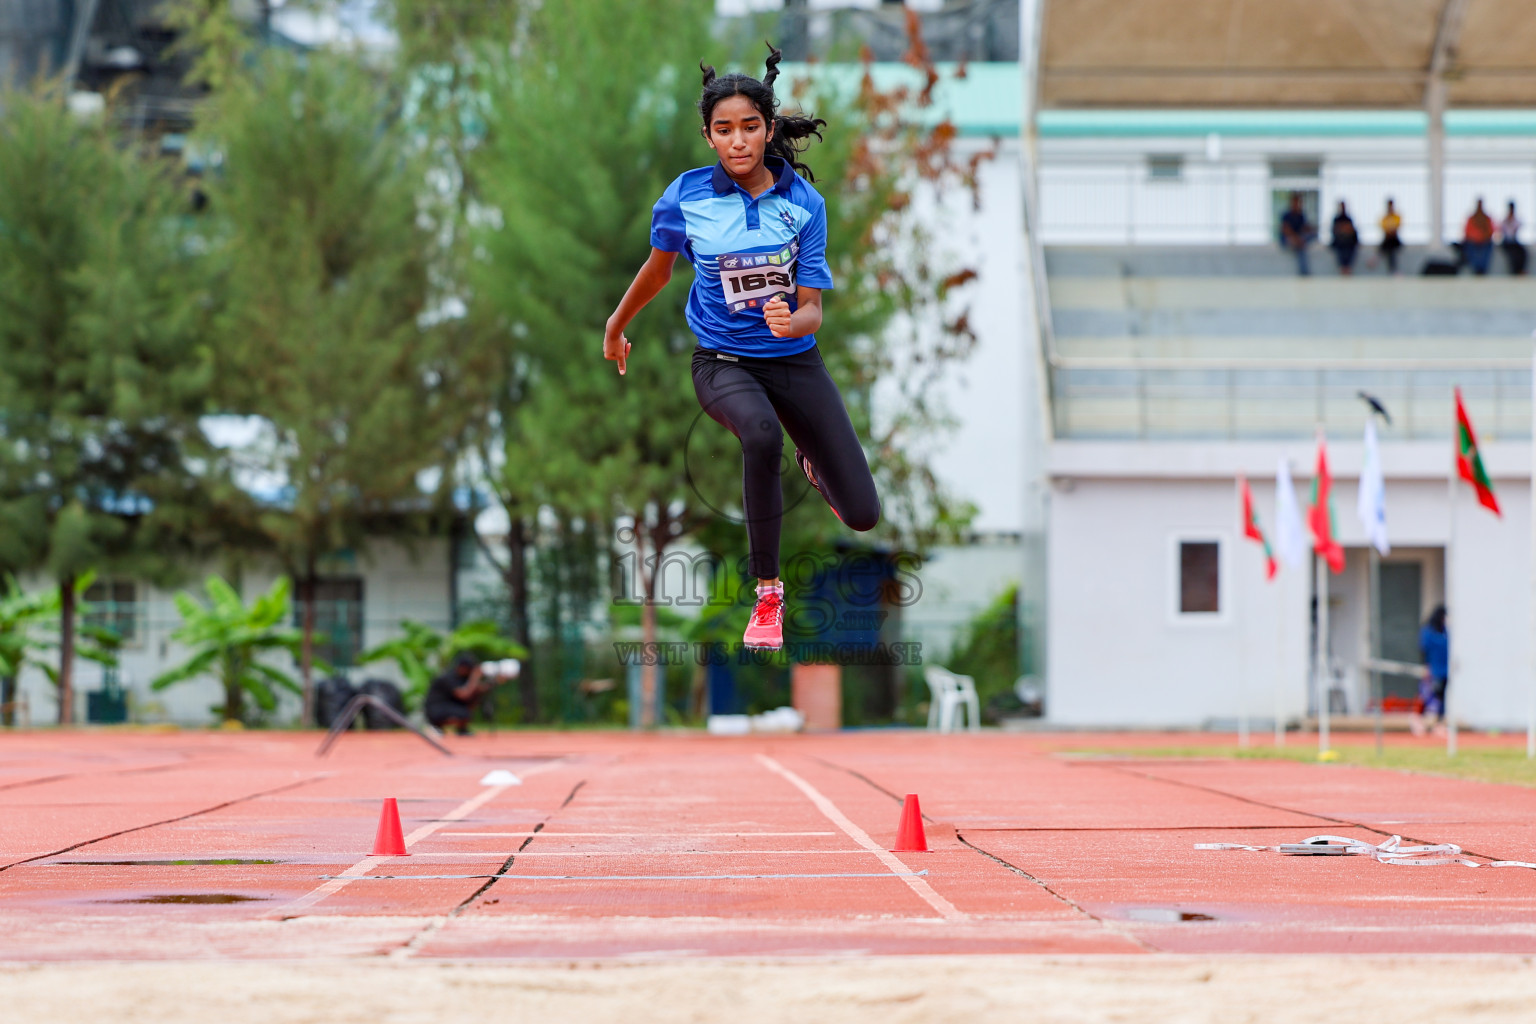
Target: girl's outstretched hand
[[777, 314], [616, 346]]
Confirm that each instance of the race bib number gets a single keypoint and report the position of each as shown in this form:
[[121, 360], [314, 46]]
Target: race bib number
[[750, 280]]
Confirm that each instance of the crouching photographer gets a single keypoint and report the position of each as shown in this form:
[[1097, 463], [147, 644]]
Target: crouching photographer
[[452, 697]]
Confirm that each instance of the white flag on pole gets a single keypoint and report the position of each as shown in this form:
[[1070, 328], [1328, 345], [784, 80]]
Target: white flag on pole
[[1290, 534], [1371, 505]]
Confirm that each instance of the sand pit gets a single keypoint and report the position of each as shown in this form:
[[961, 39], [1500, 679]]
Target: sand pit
[[891, 990]]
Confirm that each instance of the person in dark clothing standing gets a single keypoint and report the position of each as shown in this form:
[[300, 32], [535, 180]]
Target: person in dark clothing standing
[[1435, 645], [452, 696]]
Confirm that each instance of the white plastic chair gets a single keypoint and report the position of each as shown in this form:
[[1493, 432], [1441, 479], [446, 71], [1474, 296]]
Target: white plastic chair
[[941, 690], [949, 693], [965, 696]]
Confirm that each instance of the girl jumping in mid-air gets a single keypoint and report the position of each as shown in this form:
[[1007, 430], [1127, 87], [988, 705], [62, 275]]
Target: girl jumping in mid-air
[[756, 234]]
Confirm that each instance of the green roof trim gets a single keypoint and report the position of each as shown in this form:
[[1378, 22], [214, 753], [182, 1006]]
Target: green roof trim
[[989, 100], [1066, 124], [1490, 122]]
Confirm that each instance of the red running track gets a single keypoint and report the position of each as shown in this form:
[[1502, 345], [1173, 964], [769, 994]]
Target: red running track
[[119, 845]]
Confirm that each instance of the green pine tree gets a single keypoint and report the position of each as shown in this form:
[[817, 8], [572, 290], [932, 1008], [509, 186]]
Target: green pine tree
[[586, 130], [103, 367], [447, 50], [323, 269]]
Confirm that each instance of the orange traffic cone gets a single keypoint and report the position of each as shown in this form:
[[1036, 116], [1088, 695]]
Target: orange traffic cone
[[909, 833], [389, 842]]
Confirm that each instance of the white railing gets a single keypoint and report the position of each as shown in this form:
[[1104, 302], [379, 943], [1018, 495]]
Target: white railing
[[1108, 400], [1120, 203]]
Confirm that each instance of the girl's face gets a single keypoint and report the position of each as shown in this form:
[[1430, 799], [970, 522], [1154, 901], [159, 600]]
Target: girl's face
[[738, 134]]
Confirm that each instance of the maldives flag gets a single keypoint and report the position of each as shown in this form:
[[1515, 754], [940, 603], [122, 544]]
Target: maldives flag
[[1320, 517], [1469, 461], [1251, 528]]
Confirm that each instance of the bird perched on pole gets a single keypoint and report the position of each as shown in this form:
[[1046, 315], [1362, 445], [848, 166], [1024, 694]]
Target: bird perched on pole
[[1376, 406]]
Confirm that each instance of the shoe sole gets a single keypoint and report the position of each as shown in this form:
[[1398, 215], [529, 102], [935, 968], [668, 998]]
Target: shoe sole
[[803, 462]]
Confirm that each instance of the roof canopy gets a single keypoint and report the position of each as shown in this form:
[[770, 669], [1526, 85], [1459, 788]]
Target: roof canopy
[[1287, 53]]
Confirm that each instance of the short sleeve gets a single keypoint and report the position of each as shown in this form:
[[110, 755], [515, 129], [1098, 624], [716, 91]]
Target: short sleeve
[[813, 271], [668, 231]]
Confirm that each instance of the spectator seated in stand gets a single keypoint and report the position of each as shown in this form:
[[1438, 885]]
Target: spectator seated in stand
[[1391, 223], [1296, 233], [1509, 241], [1345, 242], [1477, 240]]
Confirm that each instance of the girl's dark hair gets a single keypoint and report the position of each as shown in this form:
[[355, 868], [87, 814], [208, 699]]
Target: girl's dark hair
[[1437, 619], [789, 130]]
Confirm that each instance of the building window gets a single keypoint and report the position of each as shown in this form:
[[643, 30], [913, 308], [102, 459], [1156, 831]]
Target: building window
[[1199, 577], [1165, 167], [1303, 170], [338, 619], [466, 551], [113, 605]]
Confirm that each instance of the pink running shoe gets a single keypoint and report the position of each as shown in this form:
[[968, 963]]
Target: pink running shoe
[[765, 630]]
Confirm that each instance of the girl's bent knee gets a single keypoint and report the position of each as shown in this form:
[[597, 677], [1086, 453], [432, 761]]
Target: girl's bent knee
[[863, 519]]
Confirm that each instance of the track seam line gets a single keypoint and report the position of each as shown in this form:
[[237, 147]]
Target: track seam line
[[867, 781], [437, 924], [926, 892], [1107, 925], [1090, 915], [1128, 828], [362, 867], [1280, 807], [168, 821], [105, 773], [440, 922], [42, 781]]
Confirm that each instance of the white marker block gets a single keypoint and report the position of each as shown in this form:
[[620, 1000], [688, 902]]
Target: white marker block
[[500, 777]]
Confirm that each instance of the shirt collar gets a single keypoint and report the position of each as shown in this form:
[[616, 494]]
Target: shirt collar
[[723, 182]]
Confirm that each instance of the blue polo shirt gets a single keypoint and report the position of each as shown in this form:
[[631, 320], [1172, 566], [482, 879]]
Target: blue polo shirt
[[744, 251], [1436, 647]]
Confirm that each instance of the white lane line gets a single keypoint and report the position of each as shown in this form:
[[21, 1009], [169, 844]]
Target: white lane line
[[946, 909], [367, 864], [492, 855], [546, 834], [637, 878], [464, 810]]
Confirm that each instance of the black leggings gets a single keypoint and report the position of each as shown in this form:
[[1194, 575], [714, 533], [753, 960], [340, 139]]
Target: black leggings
[[752, 397]]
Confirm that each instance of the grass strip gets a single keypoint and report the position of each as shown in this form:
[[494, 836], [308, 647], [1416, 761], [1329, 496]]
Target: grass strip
[[1507, 765]]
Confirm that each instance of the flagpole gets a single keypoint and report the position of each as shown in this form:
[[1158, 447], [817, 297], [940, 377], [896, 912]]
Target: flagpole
[[1450, 545], [1280, 620], [1280, 660], [1530, 718], [1323, 679], [1373, 600], [1242, 648]]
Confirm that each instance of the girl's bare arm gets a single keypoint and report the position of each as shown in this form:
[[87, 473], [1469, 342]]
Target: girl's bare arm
[[648, 283]]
